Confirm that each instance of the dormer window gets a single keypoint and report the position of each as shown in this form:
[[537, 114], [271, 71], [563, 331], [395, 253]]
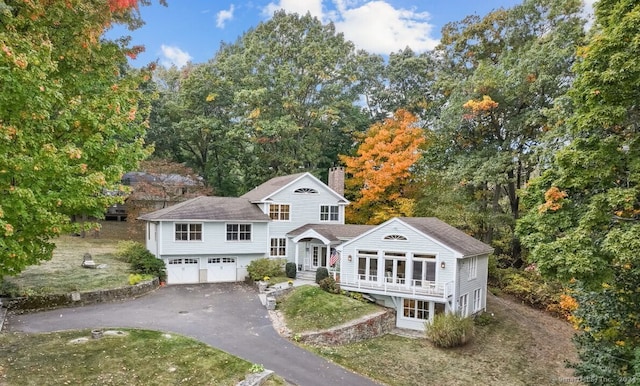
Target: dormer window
[[305, 191], [395, 237]]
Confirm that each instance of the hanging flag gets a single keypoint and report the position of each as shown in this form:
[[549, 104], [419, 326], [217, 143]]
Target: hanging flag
[[335, 256]]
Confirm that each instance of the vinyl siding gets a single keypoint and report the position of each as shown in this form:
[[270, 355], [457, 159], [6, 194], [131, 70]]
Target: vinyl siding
[[213, 240], [416, 243], [467, 286]]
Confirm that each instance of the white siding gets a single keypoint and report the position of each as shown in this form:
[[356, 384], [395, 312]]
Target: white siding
[[465, 285], [213, 240], [304, 209], [416, 243]]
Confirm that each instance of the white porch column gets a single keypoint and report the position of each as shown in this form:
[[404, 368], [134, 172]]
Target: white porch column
[[297, 253], [328, 255]]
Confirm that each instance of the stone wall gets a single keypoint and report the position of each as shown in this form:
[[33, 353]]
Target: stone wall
[[368, 327], [47, 302]]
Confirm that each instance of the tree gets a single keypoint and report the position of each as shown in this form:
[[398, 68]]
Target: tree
[[583, 222], [499, 76], [72, 119], [380, 173], [294, 93]]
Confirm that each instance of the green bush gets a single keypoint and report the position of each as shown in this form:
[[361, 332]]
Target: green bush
[[530, 287], [290, 270], [329, 284], [260, 268], [321, 273], [142, 261], [135, 278], [449, 330]]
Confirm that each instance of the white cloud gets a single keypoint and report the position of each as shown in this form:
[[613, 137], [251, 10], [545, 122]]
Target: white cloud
[[314, 7], [223, 16], [372, 25], [379, 28], [174, 56]]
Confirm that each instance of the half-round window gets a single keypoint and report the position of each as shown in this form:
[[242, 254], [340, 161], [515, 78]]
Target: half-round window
[[306, 191], [395, 237]]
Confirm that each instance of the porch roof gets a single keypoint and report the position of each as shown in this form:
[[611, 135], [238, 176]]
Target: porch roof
[[333, 232]]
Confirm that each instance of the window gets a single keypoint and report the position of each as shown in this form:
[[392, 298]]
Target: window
[[368, 265], [305, 191], [394, 267], [463, 305], [473, 268], [278, 247], [395, 237], [238, 232], [191, 261], [416, 309], [424, 269], [477, 300], [329, 213], [188, 232], [279, 212], [218, 260]]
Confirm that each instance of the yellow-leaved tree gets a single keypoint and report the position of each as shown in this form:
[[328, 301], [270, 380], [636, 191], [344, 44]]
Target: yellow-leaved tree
[[380, 174]]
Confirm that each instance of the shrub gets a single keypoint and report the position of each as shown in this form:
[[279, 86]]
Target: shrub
[[260, 268], [329, 284], [142, 261], [321, 273], [530, 287], [290, 270], [449, 330], [135, 278]]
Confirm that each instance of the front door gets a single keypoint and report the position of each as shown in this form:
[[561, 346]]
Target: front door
[[318, 256]]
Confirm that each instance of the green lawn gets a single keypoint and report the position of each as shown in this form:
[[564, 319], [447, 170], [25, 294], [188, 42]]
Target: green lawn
[[308, 308], [63, 273], [129, 357]]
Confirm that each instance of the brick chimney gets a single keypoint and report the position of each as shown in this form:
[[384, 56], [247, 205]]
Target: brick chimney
[[336, 179]]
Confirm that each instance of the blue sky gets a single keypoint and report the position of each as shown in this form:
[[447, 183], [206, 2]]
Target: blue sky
[[192, 30]]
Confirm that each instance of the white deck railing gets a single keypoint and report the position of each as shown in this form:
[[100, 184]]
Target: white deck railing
[[393, 286]]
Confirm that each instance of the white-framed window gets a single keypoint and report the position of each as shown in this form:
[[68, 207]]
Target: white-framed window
[[305, 191], [463, 305], [395, 237], [473, 267], [279, 212], [238, 232], [278, 247], [190, 261], [395, 264], [424, 269], [218, 260], [415, 309], [188, 232], [329, 213], [368, 265], [477, 300]]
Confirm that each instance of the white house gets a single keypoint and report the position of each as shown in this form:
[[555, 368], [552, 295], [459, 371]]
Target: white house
[[419, 266]]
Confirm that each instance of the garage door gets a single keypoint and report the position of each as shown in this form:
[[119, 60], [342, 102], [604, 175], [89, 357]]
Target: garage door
[[182, 271], [220, 269]]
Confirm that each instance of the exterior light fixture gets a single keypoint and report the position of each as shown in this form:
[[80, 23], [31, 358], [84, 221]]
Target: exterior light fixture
[[442, 264]]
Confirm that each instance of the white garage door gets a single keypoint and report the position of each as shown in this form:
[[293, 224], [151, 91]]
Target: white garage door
[[182, 271], [221, 269]]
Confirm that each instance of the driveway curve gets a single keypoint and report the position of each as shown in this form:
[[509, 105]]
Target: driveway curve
[[226, 316]]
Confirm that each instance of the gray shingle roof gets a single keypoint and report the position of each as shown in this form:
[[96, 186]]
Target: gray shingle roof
[[210, 208], [450, 236], [333, 232], [270, 187]]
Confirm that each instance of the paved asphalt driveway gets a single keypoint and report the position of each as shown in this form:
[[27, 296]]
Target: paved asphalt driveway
[[226, 316]]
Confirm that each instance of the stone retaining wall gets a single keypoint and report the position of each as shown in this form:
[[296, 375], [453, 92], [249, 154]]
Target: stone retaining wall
[[47, 302], [368, 327]]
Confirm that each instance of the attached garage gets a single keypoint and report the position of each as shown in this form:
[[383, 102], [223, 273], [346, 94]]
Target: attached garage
[[221, 269], [182, 270]]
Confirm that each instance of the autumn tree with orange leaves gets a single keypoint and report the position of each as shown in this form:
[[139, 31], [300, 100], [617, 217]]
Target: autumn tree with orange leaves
[[72, 119], [381, 171]]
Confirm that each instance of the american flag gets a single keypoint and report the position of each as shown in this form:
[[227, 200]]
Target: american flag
[[335, 256]]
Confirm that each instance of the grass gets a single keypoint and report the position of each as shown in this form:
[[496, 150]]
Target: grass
[[499, 354], [308, 308], [133, 357], [63, 273]]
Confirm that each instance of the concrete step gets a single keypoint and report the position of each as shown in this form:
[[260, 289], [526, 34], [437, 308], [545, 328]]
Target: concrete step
[[306, 275]]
